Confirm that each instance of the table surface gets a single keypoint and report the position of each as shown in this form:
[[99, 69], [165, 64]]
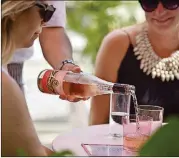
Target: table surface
[[73, 140], [98, 134]]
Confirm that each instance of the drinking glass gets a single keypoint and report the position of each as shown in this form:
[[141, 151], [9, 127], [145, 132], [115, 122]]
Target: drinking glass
[[156, 112], [136, 130], [119, 106]]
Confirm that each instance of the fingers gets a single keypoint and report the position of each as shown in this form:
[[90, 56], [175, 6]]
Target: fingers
[[72, 98], [76, 69], [71, 67], [63, 97], [86, 98], [76, 100]]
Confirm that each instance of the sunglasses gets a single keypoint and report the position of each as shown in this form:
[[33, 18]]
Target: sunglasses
[[151, 5], [46, 11]]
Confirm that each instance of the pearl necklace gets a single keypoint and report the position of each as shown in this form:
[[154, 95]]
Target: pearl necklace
[[164, 68]]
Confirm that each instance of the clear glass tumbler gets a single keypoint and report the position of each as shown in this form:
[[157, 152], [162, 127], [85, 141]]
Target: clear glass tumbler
[[119, 107], [156, 112]]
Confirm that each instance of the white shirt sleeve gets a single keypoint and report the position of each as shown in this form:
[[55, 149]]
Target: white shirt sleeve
[[59, 17]]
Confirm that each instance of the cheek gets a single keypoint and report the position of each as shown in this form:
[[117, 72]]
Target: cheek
[[29, 22], [177, 14], [34, 21], [178, 29], [34, 25]]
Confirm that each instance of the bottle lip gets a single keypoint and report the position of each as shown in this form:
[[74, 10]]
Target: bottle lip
[[41, 73], [38, 82]]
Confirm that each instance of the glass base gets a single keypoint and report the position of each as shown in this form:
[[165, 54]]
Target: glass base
[[114, 135]]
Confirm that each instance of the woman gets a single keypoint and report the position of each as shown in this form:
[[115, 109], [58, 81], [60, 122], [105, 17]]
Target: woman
[[144, 55], [21, 24]]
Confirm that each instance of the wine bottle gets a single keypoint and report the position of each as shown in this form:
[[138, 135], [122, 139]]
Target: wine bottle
[[78, 84]]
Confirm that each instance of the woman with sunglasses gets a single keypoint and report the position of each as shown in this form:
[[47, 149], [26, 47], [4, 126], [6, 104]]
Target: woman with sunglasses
[[21, 24], [144, 55]]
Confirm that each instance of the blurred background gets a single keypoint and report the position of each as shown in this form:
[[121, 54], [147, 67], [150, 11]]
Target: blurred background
[[87, 24]]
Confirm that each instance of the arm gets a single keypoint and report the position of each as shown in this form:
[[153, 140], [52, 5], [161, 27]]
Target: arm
[[54, 41], [18, 131], [56, 46], [110, 55]]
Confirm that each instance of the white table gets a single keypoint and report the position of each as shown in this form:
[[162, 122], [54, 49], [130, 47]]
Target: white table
[[89, 135]]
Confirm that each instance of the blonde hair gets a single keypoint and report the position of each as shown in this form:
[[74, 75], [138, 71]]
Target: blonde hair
[[10, 8]]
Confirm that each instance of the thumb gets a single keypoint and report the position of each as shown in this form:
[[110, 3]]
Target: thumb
[[76, 69]]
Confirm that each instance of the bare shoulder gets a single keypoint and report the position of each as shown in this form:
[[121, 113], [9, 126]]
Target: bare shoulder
[[112, 51], [8, 84], [133, 31], [116, 38], [11, 93], [17, 126], [6, 80], [117, 41]]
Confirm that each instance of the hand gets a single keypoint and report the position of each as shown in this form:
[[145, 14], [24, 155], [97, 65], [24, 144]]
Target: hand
[[48, 151], [76, 69]]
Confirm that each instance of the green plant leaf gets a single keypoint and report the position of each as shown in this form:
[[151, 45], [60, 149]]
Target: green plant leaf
[[63, 154], [21, 153], [95, 19], [164, 142]]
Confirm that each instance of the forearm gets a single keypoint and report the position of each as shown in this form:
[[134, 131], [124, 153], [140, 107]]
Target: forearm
[[56, 46]]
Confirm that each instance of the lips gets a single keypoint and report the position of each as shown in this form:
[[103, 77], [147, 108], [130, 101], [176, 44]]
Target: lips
[[38, 32], [163, 20], [36, 35]]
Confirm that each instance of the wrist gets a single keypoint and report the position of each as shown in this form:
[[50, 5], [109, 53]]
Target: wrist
[[64, 62]]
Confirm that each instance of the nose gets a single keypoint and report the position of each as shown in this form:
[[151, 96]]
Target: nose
[[160, 9]]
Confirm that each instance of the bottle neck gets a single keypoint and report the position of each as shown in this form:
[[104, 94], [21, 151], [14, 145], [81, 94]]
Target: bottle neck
[[106, 87], [109, 87], [123, 88]]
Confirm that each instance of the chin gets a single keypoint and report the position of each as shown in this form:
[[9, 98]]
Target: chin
[[30, 44]]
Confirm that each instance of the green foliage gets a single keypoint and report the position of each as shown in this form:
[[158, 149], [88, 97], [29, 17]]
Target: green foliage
[[21, 153], [64, 153], [95, 19], [165, 142]]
